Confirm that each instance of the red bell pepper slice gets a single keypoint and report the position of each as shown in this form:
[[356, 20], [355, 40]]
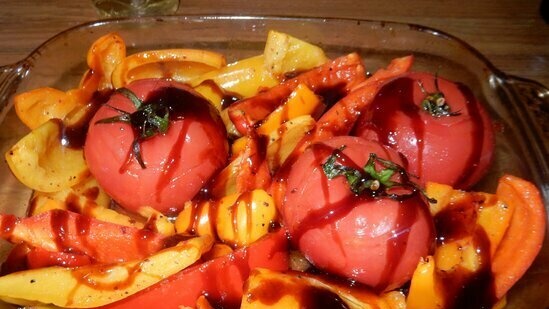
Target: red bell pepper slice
[[340, 74], [69, 232], [221, 280], [38, 258]]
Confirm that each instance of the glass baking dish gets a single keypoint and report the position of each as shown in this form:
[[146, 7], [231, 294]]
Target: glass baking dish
[[518, 106]]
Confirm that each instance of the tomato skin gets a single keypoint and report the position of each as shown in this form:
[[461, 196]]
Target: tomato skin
[[377, 242], [454, 150], [178, 163]]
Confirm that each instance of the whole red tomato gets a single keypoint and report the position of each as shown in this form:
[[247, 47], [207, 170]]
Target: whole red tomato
[[163, 169], [439, 126], [375, 240]]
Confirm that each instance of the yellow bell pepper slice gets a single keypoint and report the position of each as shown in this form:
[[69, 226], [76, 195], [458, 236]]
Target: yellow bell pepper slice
[[302, 101], [261, 282], [97, 285], [37, 106], [244, 78], [283, 141], [42, 163], [178, 64], [285, 53], [243, 218]]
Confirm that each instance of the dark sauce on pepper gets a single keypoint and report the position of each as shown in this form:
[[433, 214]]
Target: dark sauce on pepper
[[74, 135], [272, 290], [463, 288], [473, 110]]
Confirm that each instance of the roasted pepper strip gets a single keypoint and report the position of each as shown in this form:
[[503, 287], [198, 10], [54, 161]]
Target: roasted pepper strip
[[340, 74], [493, 241], [65, 231], [339, 119], [267, 289], [524, 237], [221, 280], [100, 284], [248, 171]]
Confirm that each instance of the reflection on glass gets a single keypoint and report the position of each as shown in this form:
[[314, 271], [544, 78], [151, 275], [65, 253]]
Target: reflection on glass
[[125, 8]]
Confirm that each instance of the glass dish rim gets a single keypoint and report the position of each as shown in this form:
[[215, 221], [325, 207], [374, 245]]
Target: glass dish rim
[[21, 67], [384, 23]]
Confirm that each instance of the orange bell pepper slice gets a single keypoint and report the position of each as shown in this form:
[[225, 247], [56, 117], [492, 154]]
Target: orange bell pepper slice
[[513, 222], [524, 237]]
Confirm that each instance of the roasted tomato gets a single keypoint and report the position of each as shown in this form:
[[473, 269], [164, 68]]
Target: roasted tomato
[[347, 215], [439, 126], [160, 154]]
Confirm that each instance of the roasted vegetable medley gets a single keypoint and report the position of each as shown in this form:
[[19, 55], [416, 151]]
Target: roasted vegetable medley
[[173, 179]]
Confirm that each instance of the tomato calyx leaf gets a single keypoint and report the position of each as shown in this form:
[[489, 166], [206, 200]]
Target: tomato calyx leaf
[[435, 103], [147, 121], [372, 182]]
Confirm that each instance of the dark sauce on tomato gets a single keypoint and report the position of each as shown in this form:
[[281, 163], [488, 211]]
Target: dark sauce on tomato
[[173, 159], [473, 110], [181, 105], [396, 97], [332, 213]]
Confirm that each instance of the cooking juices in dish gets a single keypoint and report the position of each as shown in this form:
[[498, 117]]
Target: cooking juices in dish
[[169, 178]]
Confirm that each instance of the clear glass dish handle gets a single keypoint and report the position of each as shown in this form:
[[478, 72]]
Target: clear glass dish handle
[[536, 98], [533, 108], [10, 78]]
